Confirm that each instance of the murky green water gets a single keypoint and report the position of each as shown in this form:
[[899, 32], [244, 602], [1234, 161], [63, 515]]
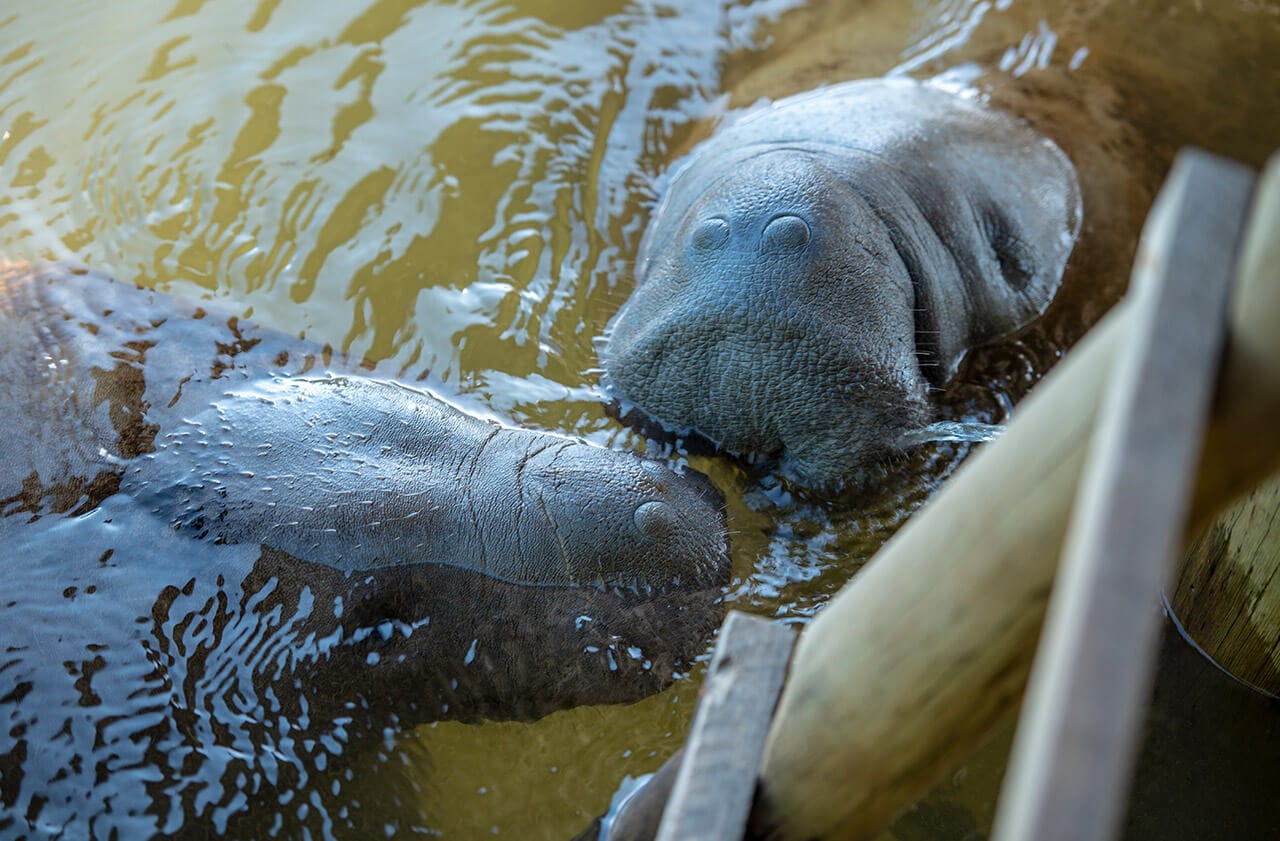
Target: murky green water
[[455, 191]]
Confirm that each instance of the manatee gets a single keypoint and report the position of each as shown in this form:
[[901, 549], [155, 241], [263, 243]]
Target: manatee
[[819, 266], [226, 566]]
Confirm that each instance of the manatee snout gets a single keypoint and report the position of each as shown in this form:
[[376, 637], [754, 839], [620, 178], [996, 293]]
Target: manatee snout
[[836, 411], [816, 269], [622, 522], [775, 317]]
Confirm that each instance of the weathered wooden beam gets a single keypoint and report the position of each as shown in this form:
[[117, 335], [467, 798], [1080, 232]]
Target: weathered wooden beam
[[909, 668], [1228, 593], [711, 796], [1078, 734], [637, 818], [1227, 598], [725, 740], [1236, 455]]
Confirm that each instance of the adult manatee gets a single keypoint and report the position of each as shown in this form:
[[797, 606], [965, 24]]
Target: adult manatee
[[816, 268], [225, 569]]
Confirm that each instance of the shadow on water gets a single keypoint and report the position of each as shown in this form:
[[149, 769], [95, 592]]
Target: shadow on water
[[157, 683]]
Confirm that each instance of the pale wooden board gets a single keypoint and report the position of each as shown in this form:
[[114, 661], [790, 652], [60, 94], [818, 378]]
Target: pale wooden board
[[639, 816], [712, 794], [1077, 739], [1228, 597]]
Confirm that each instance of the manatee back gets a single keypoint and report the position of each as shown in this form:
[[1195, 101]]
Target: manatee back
[[92, 368]]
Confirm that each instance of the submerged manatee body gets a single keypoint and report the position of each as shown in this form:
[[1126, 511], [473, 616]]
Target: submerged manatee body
[[223, 566], [819, 265]]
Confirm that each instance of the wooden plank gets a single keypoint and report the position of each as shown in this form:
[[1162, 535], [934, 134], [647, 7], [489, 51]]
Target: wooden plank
[[910, 667], [927, 650], [1245, 409], [1227, 600], [637, 817], [711, 796], [1078, 736]]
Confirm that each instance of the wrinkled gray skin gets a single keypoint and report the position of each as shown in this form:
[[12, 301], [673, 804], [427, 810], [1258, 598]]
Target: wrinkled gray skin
[[816, 267], [221, 438]]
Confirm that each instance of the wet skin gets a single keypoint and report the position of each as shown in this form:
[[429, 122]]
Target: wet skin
[[818, 266], [209, 533]]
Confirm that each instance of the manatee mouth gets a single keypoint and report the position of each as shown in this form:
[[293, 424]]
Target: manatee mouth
[[634, 416], [814, 411], [845, 455], [794, 461], [708, 493]]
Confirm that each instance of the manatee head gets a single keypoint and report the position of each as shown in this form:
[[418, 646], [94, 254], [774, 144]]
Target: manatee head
[[361, 474], [754, 322], [817, 268], [614, 520]]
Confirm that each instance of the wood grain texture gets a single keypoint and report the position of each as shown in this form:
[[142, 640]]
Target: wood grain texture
[[912, 665], [1228, 593], [711, 797], [1078, 735]]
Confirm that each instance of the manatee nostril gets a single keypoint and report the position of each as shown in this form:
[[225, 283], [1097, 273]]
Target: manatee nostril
[[710, 233], [656, 520], [786, 233]]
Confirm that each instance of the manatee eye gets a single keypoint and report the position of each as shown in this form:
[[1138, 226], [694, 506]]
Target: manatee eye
[[786, 233], [710, 233], [656, 520], [1016, 259], [1017, 265]]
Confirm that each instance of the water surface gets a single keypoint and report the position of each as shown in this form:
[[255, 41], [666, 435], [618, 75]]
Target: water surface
[[453, 192]]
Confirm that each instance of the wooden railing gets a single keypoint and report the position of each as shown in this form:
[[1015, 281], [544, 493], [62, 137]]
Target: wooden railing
[[1162, 416]]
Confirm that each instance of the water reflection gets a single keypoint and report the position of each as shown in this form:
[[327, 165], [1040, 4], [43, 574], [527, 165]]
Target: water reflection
[[406, 174], [429, 184]]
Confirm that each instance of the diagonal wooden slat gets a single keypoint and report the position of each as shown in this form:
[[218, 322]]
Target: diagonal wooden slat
[[1078, 735], [711, 796], [915, 662]]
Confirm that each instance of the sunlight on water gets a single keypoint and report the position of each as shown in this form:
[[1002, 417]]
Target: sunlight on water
[[953, 431]]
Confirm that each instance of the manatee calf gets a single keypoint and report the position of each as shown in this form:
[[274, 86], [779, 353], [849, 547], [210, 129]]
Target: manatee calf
[[209, 422], [225, 569], [817, 267]]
